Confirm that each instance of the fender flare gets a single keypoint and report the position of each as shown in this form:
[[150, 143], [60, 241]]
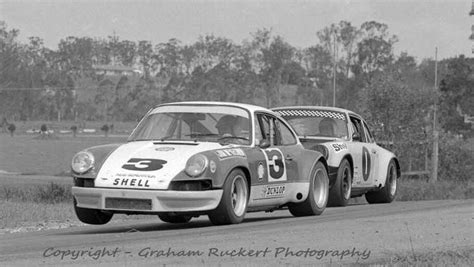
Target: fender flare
[[246, 172], [383, 172], [236, 164], [320, 159], [332, 170]]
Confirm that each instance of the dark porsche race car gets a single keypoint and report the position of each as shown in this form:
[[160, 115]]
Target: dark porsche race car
[[201, 158], [357, 165]]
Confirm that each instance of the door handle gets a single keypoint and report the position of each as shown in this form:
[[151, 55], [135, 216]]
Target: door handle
[[289, 157], [374, 151]]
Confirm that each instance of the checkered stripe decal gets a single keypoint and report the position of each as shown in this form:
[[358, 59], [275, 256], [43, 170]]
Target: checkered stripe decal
[[312, 113]]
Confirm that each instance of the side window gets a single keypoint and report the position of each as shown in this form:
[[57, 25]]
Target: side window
[[258, 132], [286, 136], [276, 131], [265, 127], [370, 138], [269, 127], [273, 131], [357, 126]]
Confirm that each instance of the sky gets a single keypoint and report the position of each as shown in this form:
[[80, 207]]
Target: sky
[[421, 25]]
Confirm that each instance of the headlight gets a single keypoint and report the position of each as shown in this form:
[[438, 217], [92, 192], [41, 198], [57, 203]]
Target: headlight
[[196, 165], [82, 162]]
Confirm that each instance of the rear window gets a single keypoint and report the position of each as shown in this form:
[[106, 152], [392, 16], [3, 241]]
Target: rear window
[[320, 123]]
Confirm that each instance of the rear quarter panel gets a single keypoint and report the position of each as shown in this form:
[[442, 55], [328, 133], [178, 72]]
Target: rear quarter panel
[[385, 156], [307, 159]]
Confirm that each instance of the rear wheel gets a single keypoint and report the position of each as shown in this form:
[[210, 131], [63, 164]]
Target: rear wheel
[[233, 204], [340, 193], [174, 218], [388, 192], [318, 193], [92, 216]]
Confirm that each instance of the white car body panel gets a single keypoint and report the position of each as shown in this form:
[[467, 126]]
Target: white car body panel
[[175, 156], [364, 176]]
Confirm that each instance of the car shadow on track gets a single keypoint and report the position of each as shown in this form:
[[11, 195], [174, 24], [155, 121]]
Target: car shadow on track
[[130, 227]]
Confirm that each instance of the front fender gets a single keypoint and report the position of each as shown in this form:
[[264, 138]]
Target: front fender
[[224, 165]]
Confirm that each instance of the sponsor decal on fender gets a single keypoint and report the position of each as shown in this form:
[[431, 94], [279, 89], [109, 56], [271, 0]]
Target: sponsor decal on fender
[[260, 171], [212, 166], [273, 191], [339, 147], [230, 152]]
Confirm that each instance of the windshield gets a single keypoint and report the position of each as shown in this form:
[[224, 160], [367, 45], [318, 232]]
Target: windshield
[[317, 123], [195, 123]]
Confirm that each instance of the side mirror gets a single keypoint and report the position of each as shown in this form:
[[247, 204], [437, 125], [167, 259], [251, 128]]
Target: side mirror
[[264, 144], [356, 137]]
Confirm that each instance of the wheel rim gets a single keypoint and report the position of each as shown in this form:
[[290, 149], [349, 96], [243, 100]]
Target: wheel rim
[[392, 180], [346, 184], [320, 187], [239, 196]]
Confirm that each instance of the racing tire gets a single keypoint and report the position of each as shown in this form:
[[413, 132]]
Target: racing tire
[[389, 191], [174, 218], [92, 216], [233, 204], [340, 192], [318, 194]]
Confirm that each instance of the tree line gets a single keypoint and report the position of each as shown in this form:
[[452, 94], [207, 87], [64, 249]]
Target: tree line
[[395, 92]]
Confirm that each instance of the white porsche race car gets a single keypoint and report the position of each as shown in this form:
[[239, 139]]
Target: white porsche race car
[[201, 158], [357, 165]]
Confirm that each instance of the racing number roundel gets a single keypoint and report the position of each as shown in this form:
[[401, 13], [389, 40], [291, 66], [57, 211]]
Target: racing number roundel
[[365, 163], [276, 166], [137, 164]]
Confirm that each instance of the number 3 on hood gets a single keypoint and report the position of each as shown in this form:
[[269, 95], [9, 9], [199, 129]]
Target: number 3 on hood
[[137, 164]]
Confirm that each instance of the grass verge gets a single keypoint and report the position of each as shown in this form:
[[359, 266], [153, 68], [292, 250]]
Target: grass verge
[[417, 189], [51, 193], [22, 214], [33, 207]]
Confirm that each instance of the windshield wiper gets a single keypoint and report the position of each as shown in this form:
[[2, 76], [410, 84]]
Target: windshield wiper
[[151, 139], [202, 135], [235, 137]]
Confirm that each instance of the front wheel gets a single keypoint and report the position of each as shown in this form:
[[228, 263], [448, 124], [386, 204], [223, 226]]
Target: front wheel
[[318, 193], [341, 191], [91, 216], [388, 192], [233, 204]]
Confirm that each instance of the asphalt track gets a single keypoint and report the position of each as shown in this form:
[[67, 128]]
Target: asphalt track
[[355, 234]]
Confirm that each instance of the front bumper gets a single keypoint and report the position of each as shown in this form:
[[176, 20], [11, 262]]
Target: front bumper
[[155, 200]]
